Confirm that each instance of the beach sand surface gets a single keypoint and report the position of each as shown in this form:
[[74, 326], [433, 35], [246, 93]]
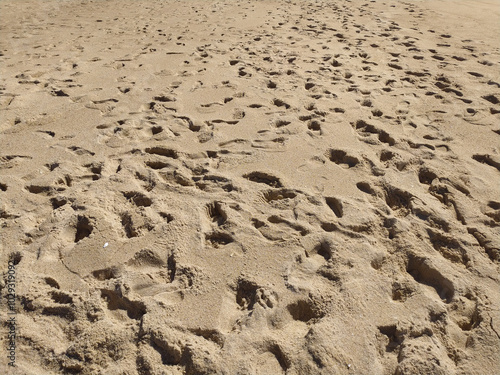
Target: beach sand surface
[[250, 187]]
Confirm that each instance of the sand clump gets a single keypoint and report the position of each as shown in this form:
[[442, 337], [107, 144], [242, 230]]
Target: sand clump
[[251, 187]]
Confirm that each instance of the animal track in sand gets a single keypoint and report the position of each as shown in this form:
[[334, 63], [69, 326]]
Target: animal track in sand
[[366, 130], [155, 164], [165, 98], [280, 123], [216, 213], [264, 178], [249, 293], [487, 243], [398, 200], [81, 151], [335, 205], [324, 248], [106, 273], [152, 275], [160, 108], [342, 158], [156, 130], [365, 187], [135, 225], [137, 198], [280, 103], [162, 151], [213, 183], [401, 291], [449, 247], [275, 219], [391, 338], [465, 312], [305, 310], [424, 272], [217, 239], [115, 301], [314, 125], [51, 134], [84, 228], [274, 195], [493, 161], [492, 210]]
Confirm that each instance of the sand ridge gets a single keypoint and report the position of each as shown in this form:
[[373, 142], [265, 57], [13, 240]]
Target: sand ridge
[[251, 187]]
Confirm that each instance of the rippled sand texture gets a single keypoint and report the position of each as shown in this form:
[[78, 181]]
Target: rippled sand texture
[[251, 187]]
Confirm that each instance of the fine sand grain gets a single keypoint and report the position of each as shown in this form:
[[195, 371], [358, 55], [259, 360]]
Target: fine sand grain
[[250, 187]]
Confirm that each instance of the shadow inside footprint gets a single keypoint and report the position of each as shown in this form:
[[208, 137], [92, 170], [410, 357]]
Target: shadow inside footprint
[[342, 158], [425, 273], [305, 310], [264, 178]]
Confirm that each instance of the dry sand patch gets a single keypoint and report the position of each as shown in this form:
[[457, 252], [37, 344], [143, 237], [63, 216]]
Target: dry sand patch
[[250, 187]]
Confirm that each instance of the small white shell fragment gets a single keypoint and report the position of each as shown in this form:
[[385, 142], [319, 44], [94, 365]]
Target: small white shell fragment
[[106, 244]]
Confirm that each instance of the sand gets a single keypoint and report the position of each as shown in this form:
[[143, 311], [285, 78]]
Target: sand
[[250, 187]]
